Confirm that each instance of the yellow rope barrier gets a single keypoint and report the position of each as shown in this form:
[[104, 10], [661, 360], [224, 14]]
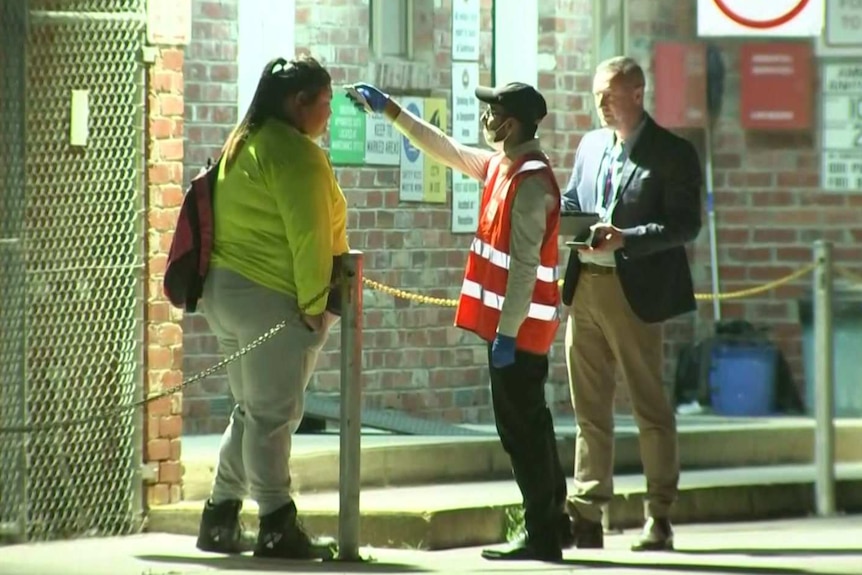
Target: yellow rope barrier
[[848, 275], [757, 290]]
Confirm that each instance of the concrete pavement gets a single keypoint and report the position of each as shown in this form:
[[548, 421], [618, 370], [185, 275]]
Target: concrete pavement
[[806, 546]]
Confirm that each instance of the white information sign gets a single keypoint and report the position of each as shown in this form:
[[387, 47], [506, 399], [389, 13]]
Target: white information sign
[[466, 19], [382, 142], [841, 139], [465, 106], [465, 203], [776, 18], [844, 22], [412, 179]]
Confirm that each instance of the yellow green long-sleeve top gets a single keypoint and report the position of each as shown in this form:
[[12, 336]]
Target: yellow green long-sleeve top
[[280, 215]]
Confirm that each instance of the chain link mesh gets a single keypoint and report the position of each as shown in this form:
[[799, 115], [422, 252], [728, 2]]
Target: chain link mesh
[[79, 295], [12, 286], [98, 6]]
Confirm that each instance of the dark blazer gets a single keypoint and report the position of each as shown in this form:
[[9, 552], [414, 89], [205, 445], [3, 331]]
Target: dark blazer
[[659, 211]]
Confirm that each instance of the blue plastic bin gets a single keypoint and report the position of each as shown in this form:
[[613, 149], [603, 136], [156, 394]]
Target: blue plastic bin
[[742, 378]]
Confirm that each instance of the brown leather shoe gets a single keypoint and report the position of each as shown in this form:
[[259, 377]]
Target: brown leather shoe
[[586, 534], [657, 536]]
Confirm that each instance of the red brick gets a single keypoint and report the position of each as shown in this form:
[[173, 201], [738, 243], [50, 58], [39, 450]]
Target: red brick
[[158, 494], [152, 424], [170, 105], [176, 450], [170, 472], [778, 236], [157, 450], [158, 356], [171, 59], [159, 407], [170, 150], [170, 427]]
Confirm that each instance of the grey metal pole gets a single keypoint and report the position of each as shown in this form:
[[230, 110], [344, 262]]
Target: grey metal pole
[[351, 407], [824, 404]]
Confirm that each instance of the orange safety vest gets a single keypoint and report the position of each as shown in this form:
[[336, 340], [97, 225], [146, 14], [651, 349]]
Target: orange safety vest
[[484, 287]]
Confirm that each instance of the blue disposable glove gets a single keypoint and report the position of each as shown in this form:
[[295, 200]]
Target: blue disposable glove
[[374, 98], [503, 351]]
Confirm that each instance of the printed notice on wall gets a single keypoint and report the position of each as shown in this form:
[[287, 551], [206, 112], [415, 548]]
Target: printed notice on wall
[[465, 106], [842, 127], [382, 141], [466, 21], [346, 132], [434, 189], [465, 204], [412, 181]]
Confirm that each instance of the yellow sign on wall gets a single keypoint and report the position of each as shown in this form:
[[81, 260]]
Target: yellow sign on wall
[[434, 185]]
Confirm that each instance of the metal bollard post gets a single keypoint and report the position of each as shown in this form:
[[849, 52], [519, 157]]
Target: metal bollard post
[[351, 407], [824, 406]]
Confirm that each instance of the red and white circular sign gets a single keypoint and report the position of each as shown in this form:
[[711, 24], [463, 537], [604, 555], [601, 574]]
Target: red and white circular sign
[[773, 18], [762, 15]]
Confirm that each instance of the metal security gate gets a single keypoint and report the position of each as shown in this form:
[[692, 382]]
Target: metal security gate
[[71, 256]]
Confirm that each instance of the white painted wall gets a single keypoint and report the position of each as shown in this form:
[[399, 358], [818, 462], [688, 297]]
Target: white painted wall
[[516, 41], [266, 29]]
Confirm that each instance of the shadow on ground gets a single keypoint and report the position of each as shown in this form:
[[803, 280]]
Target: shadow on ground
[[250, 563], [825, 552]]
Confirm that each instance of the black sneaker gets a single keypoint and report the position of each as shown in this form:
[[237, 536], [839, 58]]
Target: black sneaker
[[282, 536], [221, 530]]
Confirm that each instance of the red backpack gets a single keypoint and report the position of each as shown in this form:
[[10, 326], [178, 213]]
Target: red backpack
[[192, 244]]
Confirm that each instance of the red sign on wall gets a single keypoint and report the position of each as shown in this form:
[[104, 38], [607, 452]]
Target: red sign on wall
[[776, 86], [680, 84]]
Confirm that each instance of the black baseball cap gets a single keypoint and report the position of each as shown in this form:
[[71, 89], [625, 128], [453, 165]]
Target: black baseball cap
[[519, 100]]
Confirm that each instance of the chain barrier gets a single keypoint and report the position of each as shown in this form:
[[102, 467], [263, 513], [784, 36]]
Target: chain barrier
[[383, 288], [119, 410], [744, 293]]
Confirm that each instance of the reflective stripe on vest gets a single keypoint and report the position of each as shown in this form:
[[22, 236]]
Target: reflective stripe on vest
[[501, 259], [495, 301]]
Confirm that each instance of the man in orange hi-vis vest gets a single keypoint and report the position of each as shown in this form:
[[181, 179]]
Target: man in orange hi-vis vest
[[509, 297]]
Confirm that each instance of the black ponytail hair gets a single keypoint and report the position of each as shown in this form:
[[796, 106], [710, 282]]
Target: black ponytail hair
[[279, 79]]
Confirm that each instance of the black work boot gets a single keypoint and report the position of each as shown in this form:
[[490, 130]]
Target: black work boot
[[282, 536], [221, 530]]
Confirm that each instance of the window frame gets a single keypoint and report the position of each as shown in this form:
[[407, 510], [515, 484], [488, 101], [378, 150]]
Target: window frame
[[377, 20], [622, 40]]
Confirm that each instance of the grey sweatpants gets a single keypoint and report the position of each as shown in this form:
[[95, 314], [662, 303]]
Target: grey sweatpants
[[268, 385]]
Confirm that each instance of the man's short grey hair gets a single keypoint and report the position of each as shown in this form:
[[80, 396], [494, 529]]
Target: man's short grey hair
[[626, 68]]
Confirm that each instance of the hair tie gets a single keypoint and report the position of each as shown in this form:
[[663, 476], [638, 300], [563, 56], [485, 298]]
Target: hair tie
[[278, 65]]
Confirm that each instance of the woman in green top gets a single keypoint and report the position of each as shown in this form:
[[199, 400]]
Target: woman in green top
[[280, 218]]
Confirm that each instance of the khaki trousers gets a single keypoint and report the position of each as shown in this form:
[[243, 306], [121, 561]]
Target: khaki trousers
[[602, 333]]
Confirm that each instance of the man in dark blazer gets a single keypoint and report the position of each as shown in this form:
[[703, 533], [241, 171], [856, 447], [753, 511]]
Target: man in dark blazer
[[645, 184]]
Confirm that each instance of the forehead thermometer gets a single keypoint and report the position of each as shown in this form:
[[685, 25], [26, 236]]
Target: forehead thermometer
[[357, 96]]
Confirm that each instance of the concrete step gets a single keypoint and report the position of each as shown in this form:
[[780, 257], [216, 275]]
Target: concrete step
[[409, 460], [441, 516]]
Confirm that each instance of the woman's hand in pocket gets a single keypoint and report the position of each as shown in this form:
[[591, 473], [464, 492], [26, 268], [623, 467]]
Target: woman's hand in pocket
[[315, 323]]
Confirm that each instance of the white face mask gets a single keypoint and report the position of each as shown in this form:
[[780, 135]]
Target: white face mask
[[495, 137]]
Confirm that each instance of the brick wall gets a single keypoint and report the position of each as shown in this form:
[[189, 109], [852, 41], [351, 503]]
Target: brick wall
[[415, 360], [210, 73], [164, 336], [769, 204]]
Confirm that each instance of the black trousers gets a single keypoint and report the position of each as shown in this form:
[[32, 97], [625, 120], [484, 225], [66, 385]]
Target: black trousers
[[526, 431]]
